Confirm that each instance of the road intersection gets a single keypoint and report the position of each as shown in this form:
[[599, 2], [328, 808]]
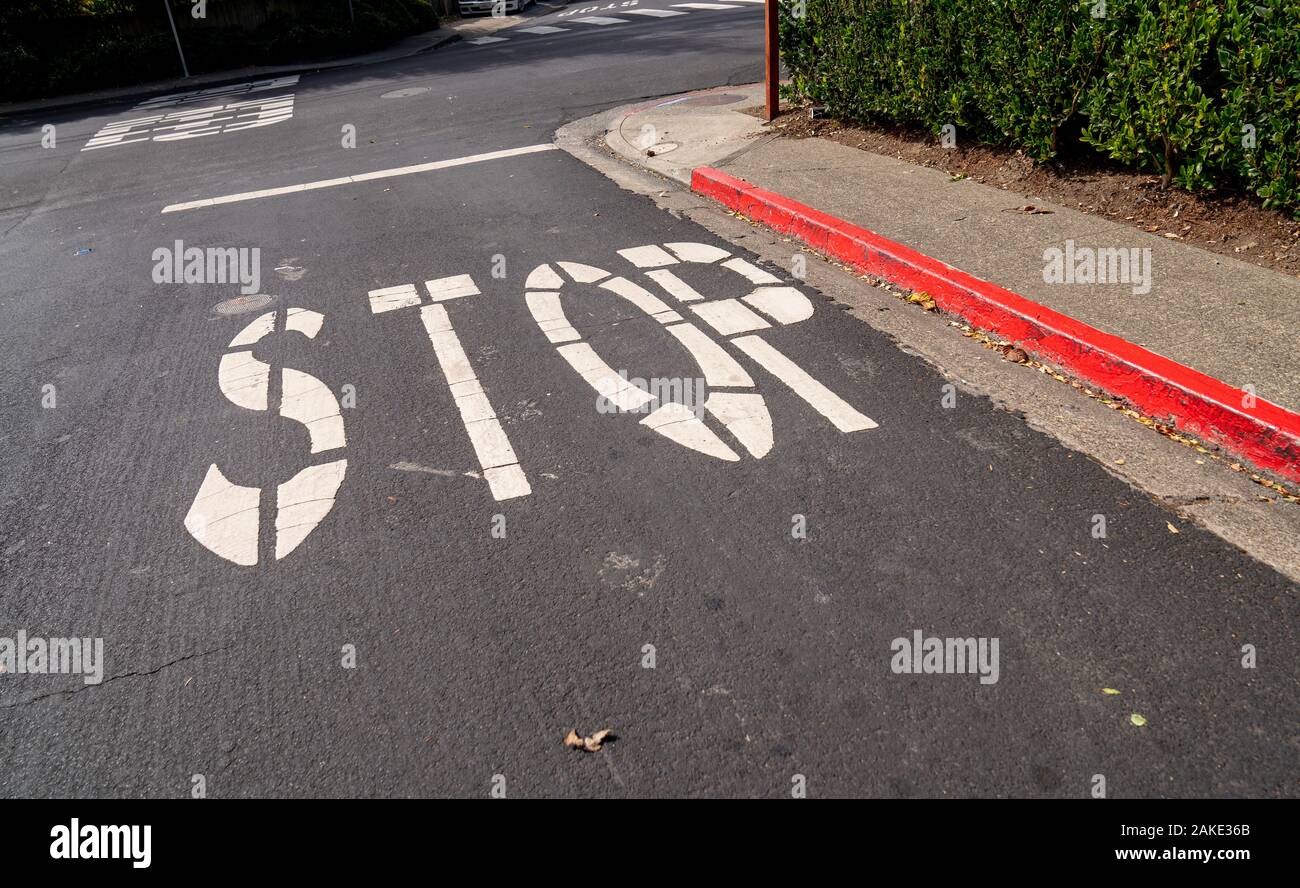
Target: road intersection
[[425, 445]]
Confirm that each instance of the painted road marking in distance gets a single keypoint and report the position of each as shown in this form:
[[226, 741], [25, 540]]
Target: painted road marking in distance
[[217, 92], [205, 121], [194, 123], [362, 177], [610, 7], [501, 469], [600, 20]]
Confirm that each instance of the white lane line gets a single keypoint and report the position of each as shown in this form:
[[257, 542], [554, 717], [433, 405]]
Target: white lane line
[[542, 29], [224, 517], [484, 41], [728, 316], [673, 285], [363, 177], [818, 396], [303, 501], [601, 20], [496, 457], [657, 13], [704, 6]]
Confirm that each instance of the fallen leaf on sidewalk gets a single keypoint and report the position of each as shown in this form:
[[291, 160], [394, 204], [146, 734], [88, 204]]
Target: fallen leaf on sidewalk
[[1109, 692], [1171, 527], [1138, 719], [573, 740], [1029, 210], [1014, 355]]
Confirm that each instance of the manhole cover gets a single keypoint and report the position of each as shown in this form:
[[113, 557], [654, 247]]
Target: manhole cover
[[723, 99], [403, 93], [241, 304]]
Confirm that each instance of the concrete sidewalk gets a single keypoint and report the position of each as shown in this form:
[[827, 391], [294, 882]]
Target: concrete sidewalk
[[1229, 319]]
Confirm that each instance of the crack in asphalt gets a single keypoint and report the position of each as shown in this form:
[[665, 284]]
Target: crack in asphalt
[[111, 678]]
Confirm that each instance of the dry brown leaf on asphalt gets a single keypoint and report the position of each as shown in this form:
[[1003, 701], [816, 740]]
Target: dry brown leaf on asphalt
[[1015, 355], [923, 299], [573, 740], [1171, 527]]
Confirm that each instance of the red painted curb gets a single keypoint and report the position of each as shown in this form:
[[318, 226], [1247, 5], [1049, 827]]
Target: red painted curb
[[1265, 434]]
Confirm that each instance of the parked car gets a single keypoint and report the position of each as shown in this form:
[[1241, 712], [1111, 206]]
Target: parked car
[[468, 7]]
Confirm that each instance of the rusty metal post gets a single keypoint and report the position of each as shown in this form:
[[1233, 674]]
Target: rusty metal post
[[772, 71]]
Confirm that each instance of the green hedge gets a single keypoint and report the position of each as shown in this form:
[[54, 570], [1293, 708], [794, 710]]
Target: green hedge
[[1204, 92]]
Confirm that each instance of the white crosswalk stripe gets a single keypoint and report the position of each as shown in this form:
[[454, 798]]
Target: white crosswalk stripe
[[601, 20]]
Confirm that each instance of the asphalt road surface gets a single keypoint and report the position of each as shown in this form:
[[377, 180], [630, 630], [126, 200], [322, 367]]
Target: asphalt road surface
[[460, 551]]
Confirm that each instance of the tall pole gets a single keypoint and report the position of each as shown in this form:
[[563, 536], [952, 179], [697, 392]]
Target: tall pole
[[772, 71], [184, 67]]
